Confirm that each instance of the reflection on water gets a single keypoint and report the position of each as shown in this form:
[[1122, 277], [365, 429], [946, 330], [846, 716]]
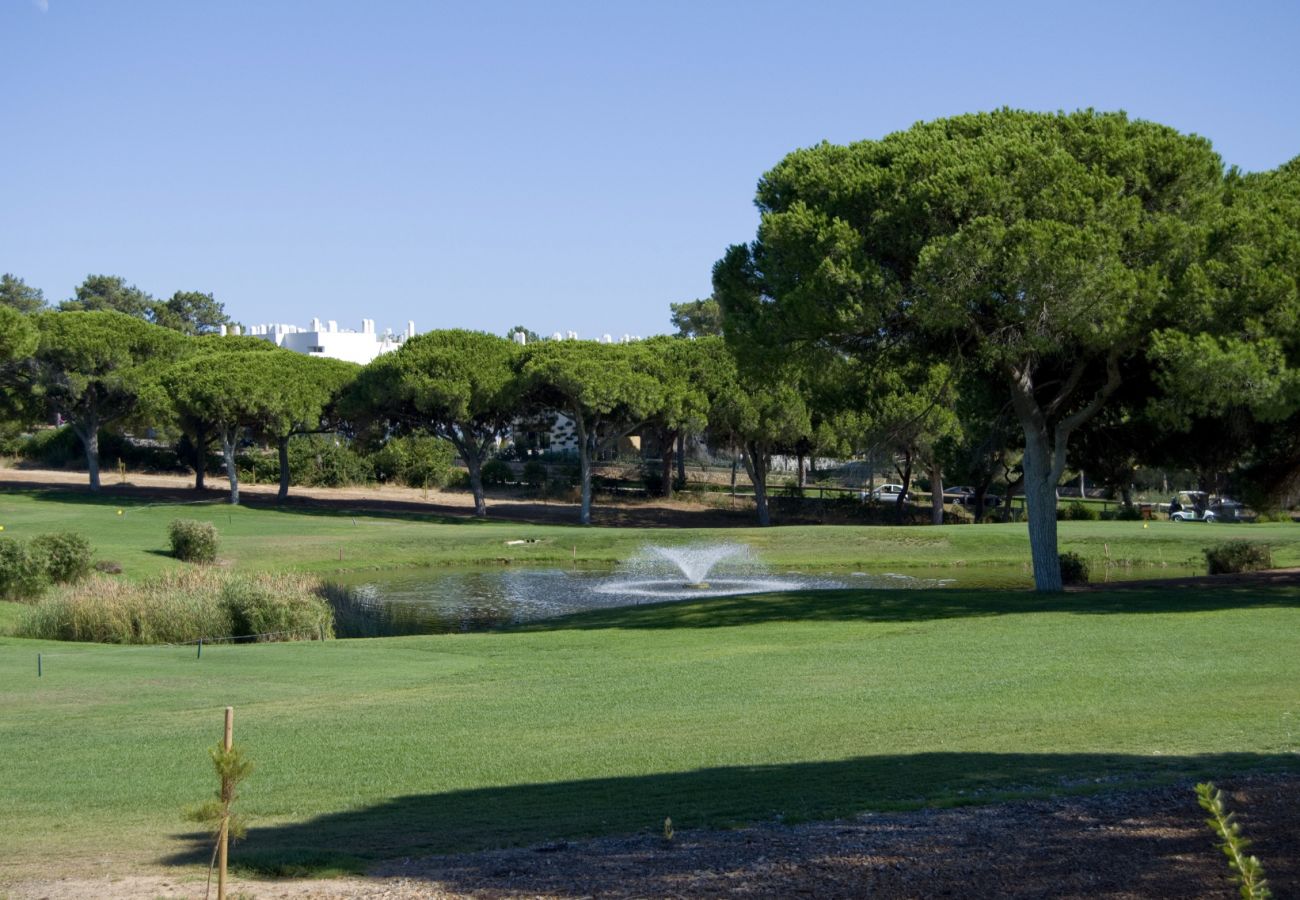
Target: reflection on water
[[436, 601]]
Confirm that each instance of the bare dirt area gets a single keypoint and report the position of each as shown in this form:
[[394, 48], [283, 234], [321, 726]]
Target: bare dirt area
[[639, 513], [1148, 843]]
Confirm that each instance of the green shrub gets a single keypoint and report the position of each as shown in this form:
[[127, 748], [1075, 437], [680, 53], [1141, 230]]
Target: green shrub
[[326, 460], [179, 607], [1074, 569], [1078, 511], [193, 541], [1128, 513], [65, 556], [424, 461], [22, 573], [535, 473], [54, 447], [1276, 515], [497, 472], [1238, 556]]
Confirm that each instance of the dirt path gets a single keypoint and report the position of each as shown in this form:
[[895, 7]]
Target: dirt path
[[1133, 844], [386, 498]]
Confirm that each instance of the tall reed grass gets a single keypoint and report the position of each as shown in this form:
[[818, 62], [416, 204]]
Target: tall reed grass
[[182, 606]]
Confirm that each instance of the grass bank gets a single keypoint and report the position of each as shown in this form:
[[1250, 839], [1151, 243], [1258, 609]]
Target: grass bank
[[787, 706], [317, 542]]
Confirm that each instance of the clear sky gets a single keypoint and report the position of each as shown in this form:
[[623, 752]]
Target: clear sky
[[561, 165]]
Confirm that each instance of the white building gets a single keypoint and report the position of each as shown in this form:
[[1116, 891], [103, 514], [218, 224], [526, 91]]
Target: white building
[[327, 339]]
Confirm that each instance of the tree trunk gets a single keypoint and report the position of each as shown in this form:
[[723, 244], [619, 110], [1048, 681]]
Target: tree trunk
[[756, 465], [88, 431], [901, 503], [283, 443], [584, 466], [1040, 507], [200, 459], [681, 457], [936, 495], [801, 462], [228, 452], [666, 445], [472, 455]]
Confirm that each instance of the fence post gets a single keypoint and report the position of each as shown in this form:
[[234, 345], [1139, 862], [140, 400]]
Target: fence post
[[38, 665], [199, 655], [223, 848]]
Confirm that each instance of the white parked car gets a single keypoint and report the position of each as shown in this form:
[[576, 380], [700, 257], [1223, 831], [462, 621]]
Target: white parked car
[[889, 492]]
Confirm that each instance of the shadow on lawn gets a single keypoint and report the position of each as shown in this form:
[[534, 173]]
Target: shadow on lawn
[[522, 815], [915, 606]]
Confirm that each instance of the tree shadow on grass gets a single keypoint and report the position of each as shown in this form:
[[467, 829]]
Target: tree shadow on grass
[[914, 606], [528, 814]]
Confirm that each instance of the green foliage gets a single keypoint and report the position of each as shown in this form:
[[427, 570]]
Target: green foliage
[[535, 473], [1078, 511], [1247, 871], [181, 606], [22, 574], [109, 293], [497, 472], [190, 312], [1128, 513], [1238, 556], [193, 541], [697, 318], [1074, 568], [326, 460], [416, 460], [16, 295], [65, 556]]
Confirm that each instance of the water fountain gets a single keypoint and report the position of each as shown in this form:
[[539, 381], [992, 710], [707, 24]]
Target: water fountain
[[698, 570]]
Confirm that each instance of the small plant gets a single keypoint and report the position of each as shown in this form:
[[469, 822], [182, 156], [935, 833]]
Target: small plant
[[64, 555], [1231, 557], [108, 567], [22, 572], [193, 541], [1074, 568], [1247, 870], [669, 833], [218, 815]]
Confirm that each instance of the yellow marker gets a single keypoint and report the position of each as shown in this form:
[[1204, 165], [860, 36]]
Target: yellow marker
[[1145, 525], [119, 512], [2, 528]]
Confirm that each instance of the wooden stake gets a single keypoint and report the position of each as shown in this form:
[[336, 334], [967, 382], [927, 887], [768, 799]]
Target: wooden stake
[[224, 840]]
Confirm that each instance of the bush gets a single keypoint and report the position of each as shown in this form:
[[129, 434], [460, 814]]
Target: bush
[[535, 473], [180, 607], [22, 573], [1276, 515], [497, 472], [1231, 557], [1074, 569], [1078, 511], [65, 556], [193, 541], [1128, 513], [416, 460]]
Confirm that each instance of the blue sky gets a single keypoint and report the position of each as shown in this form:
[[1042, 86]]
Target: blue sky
[[561, 165]]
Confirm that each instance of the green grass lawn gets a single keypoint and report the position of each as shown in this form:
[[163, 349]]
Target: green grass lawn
[[328, 542], [789, 706], [714, 712]]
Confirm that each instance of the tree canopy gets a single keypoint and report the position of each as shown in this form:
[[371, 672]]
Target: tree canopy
[[608, 390], [94, 368], [459, 385], [190, 312], [1039, 249], [101, 293], [16, 294]]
